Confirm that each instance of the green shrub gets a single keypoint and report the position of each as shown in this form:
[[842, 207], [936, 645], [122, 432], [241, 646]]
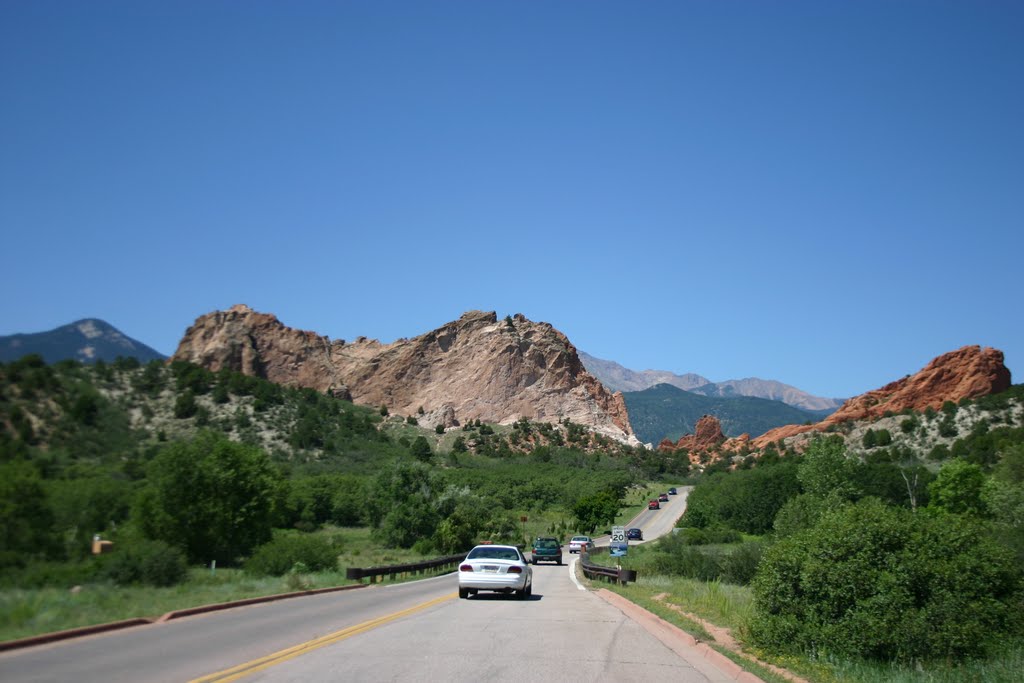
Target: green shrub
[[718, 533], [287, 550], [51, 574], [947, 427], [153, 563], [740, 566], [689, 562], [747, 500], [692, 536], [881, 583]]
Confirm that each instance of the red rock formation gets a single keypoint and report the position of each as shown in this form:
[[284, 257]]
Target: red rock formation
[[968, 372], [708, 434], [476, 367]]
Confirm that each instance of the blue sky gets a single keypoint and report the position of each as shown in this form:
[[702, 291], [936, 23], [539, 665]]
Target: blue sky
[[829, 194]]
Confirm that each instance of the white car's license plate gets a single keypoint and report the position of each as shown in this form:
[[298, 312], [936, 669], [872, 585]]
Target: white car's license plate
[[492, 568]]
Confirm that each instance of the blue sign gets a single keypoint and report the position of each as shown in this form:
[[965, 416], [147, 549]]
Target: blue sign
[[618, 549]]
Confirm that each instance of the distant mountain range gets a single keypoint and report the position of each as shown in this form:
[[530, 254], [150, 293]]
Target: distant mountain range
[[618, 378], [665, 411], [87, 340]]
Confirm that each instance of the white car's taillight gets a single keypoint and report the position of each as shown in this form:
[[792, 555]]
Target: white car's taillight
[[466, 568], [515, 570]]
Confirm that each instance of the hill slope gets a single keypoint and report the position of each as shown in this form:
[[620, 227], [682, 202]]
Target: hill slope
[[666, 411], [86, 341]]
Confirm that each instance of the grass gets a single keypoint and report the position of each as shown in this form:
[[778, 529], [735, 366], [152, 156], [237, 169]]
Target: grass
[[730, 606], [27, 612]]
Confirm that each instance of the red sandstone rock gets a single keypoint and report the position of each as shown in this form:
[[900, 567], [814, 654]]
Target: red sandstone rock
[[708, 434], [968, 372]]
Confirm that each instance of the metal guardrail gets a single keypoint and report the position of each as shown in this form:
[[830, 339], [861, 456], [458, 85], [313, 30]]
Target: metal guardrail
[[393, 571], [613, 574]]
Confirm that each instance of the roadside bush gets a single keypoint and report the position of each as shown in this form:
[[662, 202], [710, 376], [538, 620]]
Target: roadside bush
[[747, 500], [153, 563], [285, 551], [51, 574], [692, 536], [719, 533], [803, 512], [690, 562], [740, 566], [881, 583]]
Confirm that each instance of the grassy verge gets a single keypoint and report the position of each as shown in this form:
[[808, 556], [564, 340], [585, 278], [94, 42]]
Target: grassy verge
[[730, 606], [26, 612]]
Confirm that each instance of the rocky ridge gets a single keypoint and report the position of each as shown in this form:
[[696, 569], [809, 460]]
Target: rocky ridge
[[476, 367], [968, 372], [619, 378], [707, 435]]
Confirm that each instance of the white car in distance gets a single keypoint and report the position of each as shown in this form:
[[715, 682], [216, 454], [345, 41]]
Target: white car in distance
[[579, 544], [499, 568]]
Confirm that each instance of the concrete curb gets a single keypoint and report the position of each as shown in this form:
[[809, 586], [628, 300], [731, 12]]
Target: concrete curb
[[675, 638], [44, 638], [202, 609]]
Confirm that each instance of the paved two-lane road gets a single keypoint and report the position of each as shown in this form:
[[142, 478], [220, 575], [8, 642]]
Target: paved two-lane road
[[416, 631]]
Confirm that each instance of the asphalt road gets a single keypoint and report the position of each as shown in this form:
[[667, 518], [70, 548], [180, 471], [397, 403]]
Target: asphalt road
[[416, 631], [656, 523]]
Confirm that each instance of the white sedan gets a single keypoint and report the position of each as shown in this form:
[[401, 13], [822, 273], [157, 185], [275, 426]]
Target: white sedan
[[500, 568], [579, 544]]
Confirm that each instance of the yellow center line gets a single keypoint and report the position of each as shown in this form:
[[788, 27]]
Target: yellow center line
[[236, 672]]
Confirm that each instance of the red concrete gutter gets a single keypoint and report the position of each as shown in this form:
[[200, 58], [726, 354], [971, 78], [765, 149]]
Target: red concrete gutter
[[676, 639]]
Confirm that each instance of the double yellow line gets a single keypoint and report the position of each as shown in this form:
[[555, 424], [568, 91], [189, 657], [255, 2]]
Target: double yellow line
[[236, 672]]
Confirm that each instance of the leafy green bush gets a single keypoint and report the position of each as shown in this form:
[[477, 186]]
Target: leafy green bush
[[908, 425], [689, 553], [692, 536], [875, 582], [747, 500], [740, 566], [287, 550], [688, 561], [51, 574], [719, 533], [947, 427], [212, 496], [153, 563]]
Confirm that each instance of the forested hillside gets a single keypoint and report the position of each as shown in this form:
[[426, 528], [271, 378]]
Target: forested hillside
[[182, 460], [668, 412]]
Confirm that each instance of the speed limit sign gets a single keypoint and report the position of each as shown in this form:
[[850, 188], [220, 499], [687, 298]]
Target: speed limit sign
[[618, 534]]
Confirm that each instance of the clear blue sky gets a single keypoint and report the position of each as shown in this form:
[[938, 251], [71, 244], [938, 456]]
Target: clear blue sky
[[824, 193]]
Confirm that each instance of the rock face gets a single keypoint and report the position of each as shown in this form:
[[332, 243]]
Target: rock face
[[258, 344], [708, 434], [968, 372], [476, 367]]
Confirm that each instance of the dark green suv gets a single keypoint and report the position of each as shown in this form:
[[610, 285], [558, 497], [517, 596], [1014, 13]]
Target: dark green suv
[[547, 549]]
